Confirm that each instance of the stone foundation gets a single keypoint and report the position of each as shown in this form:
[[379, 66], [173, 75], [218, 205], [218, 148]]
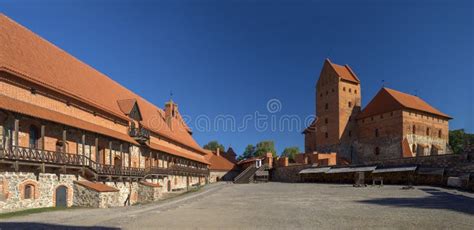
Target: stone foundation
[[43, 187], [43, 190]]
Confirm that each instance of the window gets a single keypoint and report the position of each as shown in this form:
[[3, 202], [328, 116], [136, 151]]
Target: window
[[28, 193], [427, 131], [413, 129], [326, 106], [33, 134], [344, 89], [439, 133], [326, 135], [377, 151], [350, 90], [376, 132], [349, 104], [325, 120], [355, 91]]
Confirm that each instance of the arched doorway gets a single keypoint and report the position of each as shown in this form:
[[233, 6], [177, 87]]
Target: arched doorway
[[169, 186], [61, 196]]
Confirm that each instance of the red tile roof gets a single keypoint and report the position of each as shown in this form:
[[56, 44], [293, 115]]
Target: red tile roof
[[219, 162], [388, 100], [344, 72], [126, 105], [195, 157], [30, 57], [96, 186]]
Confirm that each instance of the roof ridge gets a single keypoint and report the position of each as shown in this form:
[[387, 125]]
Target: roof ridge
[[352, 72]]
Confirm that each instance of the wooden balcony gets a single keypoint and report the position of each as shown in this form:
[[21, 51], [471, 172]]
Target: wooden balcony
[[23, 155], [141, 135]]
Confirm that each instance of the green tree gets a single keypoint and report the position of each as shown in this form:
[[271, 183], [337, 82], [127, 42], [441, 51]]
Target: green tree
[[213, 145], [248, 152], [290, 152], [459, 139], [264, 147]]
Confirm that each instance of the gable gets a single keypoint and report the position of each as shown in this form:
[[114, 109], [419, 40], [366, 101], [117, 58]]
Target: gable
[[135, 113], [129, 107]]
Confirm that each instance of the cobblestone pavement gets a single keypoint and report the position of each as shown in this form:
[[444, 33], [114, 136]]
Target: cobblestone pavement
[[277, 206]]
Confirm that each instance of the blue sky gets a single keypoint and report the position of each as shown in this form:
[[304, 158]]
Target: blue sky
[[232, 58]]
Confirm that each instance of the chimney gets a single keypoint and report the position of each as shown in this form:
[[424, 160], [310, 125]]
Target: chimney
[[170, 112], [218, 151]]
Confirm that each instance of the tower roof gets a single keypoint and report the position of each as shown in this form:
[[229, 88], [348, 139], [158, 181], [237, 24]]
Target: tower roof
[[388, 100], [345, 72]]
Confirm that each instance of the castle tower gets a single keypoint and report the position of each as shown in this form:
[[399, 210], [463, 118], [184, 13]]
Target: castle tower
[[338, 101]]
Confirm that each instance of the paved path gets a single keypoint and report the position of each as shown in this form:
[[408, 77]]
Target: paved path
[[278, 206]]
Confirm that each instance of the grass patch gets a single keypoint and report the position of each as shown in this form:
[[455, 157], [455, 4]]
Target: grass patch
[[30, 211]]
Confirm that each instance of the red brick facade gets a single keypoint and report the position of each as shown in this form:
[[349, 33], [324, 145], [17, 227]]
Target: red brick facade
[[383, 130]]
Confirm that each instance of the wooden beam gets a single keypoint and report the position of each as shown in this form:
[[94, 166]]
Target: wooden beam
[[16, 131], [97, 159], [139, 162], [83, 143], [63, 149], [121, 155], [110, 152], [130, 155], [16, 166], [150, 164], [43, 132], [42, 168]]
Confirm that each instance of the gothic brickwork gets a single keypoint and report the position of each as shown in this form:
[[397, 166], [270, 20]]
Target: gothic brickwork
[[393, 125], [61, 120]]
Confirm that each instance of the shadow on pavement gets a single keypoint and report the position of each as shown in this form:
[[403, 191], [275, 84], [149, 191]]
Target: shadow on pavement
[[36, 226], [436, 200]]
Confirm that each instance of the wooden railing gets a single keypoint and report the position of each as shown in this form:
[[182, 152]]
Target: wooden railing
[[43, 156], [60, 158]]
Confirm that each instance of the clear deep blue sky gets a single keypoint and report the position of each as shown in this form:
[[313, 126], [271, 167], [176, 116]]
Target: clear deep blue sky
[[231, 58]]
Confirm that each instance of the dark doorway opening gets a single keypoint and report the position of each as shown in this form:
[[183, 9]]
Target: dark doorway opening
[[61, 196]]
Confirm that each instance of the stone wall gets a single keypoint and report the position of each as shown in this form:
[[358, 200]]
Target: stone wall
[[43, 192], [148, 193], [126, 190], [287, 174], [85, 197]]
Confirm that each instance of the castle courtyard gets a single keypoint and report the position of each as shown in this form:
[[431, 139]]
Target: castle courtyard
[[277, 206]]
